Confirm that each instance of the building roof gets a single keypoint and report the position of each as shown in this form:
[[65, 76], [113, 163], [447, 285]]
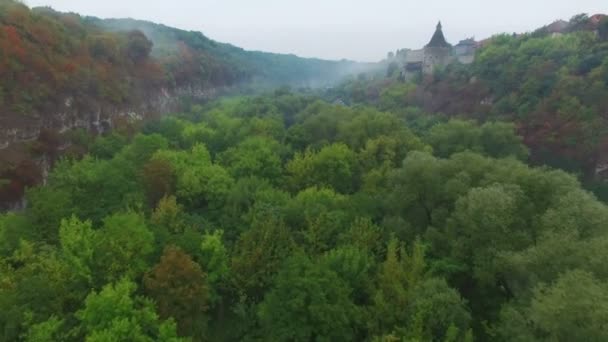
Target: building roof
[[438, 40], [597, 18], [467, 42]]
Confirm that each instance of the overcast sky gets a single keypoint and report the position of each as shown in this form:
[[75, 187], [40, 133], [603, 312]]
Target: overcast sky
[[363, 30]]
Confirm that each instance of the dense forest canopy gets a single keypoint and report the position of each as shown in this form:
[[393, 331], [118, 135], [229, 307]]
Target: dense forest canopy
[[448, 207], [60, 71], [286, 218]]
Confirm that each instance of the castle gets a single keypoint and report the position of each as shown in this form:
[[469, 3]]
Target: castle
[[438, 52]]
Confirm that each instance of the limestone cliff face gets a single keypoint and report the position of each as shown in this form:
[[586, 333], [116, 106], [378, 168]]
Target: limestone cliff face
[[22, 168], [95, 117]]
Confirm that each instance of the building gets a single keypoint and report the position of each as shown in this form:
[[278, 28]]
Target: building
[[438, 52]]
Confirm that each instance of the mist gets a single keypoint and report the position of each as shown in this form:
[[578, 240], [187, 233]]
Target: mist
[[352, 29]]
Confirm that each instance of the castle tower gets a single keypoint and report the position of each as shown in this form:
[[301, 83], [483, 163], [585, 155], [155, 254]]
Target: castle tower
[[438, 40], [437, 52]]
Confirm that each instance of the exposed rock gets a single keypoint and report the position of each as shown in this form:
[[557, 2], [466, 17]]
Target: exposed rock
[[94, 117]]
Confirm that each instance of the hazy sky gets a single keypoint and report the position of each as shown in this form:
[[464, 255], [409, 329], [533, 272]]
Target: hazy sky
[[363, 30]]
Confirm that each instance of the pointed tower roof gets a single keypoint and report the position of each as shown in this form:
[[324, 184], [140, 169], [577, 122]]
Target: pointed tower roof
[[438, 40]]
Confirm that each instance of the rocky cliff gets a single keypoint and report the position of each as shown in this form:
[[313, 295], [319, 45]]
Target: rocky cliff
[[96, 117], [22, 165]]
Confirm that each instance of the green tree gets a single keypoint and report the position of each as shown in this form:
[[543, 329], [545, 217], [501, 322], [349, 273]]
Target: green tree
[[216, 262], [256, 156], [437, 312], [78, 243], [397, 276], [307, 302], [124, 246], [354, 267], [480, 232], [603, 29], [13, 229], [258, 255], [574, 308], [333, 166], [47, 206], [116, 314], [47, 331]]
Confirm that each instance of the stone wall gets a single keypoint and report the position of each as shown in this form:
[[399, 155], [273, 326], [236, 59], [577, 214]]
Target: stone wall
[[435, 56]]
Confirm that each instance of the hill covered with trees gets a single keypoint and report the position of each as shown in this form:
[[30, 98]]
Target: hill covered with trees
[[437, 209], [62, 72], [553, 87], [48, 55], [286, 218]]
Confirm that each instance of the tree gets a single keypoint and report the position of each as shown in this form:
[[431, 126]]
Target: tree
[[603, 29], [258, 255], [115, 314], [49, 330], [215, 260], [168, 216], [138, 46], [499, 140], [454, 136], [578, 22], [256, 156], [106, 147], [200, 183], [13, 229], [397, 276], [35, 282], [307, 302], [334, 166], [437, 312], [78, 243], [47, 206], [575, 308], [480, 232], [158, 178], [124, 245], [318, 205], [417, 191], [179, 288], [97, 187], [354, 267]]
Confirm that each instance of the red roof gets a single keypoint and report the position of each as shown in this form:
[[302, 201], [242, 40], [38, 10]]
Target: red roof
[[597, 18]]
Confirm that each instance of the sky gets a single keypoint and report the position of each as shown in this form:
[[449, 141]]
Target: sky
[[361, 30]]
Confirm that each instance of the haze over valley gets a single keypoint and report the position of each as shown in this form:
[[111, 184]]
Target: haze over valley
[[303, 171]]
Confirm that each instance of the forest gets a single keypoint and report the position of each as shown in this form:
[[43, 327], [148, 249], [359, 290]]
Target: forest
[[47, 55], [286, 218], [553, 88], [466, 205]]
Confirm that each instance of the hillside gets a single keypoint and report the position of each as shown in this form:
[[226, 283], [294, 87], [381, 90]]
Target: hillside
[[48, 56], [553, 86], [152, 197], [261, 68], [61, 72]]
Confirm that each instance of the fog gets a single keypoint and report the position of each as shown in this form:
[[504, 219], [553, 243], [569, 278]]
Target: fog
[[335, 29]]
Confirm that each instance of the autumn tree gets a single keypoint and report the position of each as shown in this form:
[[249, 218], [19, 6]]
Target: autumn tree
[[179, 288]]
